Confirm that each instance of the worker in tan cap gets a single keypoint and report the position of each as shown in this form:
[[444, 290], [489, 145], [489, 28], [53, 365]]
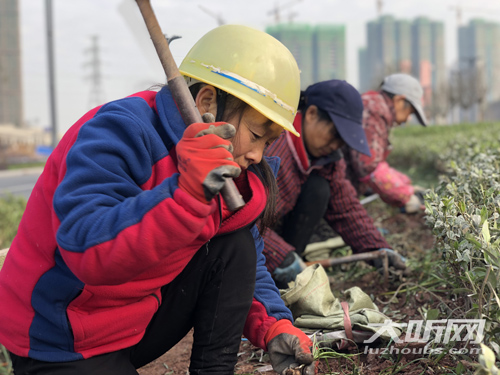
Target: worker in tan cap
[[399, 97]]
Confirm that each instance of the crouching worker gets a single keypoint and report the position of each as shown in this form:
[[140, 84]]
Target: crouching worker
[[312, 182], [400, 95], [123, 247]]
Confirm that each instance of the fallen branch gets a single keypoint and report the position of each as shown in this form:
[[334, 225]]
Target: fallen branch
[[370, 255]]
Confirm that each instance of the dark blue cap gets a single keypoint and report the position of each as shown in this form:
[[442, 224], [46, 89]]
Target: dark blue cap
[[343, 104]]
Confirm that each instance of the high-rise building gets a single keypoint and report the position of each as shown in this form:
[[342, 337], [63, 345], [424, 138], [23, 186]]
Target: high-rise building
[[387, 51], [329, 52], [414, 47], [320, 50], [479, 49], [11, 108], [363, 68], [394, 45], [403, 46], [428, 63], [298, 38]]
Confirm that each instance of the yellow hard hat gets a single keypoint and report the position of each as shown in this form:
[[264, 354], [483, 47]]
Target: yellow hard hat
[[250, 65]]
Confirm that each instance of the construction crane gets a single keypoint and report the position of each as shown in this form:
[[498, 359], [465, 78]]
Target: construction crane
[[218, 17], [276, 11], [459, 10]]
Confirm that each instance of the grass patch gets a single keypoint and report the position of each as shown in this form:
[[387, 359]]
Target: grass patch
[[26, 165], [11, 212], [422, 152]]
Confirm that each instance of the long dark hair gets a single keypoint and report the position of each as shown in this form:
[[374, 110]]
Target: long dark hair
[[303, 105], [229, 106]]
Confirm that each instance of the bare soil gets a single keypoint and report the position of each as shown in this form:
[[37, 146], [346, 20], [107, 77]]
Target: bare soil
[[404, 298]]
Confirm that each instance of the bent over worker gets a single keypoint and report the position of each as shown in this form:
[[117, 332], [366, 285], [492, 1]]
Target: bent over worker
[[125, 244], [312, 183], [400, 95]]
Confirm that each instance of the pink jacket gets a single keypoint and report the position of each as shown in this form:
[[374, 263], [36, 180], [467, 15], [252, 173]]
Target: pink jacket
[[373, 172]]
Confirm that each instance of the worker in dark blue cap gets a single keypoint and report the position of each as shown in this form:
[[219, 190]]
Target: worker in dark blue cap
[[312, 183]]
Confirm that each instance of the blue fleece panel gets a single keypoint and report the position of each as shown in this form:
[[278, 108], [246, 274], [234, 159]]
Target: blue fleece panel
[[267, 293], [274, 162], [50, 335], [105, 166]]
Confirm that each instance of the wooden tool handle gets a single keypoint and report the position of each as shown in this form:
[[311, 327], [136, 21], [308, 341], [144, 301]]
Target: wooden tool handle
[[180, 92]]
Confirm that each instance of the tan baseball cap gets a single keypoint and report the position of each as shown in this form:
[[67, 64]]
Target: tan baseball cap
[[405, 84]]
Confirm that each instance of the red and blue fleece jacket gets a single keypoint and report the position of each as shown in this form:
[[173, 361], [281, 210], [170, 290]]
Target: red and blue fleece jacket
[[105, 227]]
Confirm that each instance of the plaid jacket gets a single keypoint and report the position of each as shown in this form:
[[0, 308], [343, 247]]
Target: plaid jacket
[[345, 214]]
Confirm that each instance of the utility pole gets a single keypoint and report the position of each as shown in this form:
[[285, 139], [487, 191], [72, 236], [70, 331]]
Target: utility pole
[[380, 4], [95, 77], [52, 78]]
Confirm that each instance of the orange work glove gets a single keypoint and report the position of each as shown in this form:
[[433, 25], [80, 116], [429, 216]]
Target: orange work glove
[[205, 160], [288, 348]]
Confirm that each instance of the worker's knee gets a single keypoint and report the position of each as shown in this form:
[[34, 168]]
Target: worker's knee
[[316, 192]]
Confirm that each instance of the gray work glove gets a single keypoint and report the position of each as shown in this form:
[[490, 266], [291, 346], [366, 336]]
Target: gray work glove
[[419, 189], [414, 205], [395, 259], [289, 348], [288, 270]]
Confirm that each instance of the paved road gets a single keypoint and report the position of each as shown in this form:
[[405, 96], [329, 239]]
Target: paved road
[[18, 182]]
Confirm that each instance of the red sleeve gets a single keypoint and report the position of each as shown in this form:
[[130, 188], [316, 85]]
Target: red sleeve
[[257, 324], [347, 216], [393, 186]]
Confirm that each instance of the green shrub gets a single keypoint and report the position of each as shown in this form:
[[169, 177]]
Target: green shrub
[[422, 152], [5, 362], [463, 212], [11, 211]]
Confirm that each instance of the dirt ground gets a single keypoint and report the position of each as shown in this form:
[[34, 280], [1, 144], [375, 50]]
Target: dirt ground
[[410, 236]]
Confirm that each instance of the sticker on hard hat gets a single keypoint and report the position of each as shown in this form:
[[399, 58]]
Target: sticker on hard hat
[[251, 85]]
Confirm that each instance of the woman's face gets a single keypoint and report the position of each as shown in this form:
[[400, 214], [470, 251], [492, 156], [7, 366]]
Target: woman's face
[[402, 108], [254, 132], [320, 136]]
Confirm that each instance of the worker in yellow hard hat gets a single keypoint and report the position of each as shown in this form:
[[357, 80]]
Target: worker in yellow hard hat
[[126, 243]]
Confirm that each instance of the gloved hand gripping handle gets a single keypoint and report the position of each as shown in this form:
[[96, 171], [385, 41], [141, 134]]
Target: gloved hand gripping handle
[[180, 91]]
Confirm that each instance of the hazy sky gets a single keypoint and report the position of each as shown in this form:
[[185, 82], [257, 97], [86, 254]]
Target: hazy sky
[[128, 66]]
